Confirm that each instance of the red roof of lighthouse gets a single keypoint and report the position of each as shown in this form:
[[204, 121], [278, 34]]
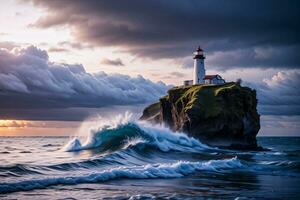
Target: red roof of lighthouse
[[210, 77]]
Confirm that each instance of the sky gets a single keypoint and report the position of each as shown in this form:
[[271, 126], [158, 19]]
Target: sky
[[64, 62]]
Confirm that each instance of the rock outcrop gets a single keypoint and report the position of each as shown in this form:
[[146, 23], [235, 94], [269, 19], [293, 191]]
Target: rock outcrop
[[219, 115]]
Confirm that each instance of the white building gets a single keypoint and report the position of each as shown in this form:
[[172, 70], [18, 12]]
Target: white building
[[213, 79], [200, 76]]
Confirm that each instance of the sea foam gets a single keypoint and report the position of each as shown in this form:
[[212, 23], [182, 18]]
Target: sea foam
[[126, 132], [162, 170]]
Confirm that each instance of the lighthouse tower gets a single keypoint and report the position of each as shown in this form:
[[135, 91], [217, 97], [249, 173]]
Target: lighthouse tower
[[199, 70]]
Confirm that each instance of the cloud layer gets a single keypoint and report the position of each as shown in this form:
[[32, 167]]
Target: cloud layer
[[279, 95], [116, 62], [29, 80], [258, 33], [32, 87]]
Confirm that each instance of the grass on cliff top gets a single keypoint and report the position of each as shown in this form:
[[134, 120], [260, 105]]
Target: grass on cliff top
[[151, 111], [201, 98], [153, 108]]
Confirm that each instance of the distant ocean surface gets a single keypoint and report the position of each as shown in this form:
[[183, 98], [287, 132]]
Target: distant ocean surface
[[133, 160]]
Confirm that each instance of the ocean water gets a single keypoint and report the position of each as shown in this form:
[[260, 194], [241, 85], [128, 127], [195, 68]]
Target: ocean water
[[135, 160]]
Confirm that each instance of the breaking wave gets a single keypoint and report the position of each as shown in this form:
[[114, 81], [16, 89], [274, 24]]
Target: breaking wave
[[162, 170], [127, 133]]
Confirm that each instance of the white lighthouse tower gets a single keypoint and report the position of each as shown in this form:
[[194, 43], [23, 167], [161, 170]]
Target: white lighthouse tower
[[199, 70]]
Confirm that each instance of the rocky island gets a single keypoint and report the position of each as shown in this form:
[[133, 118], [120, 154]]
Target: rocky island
[[223, 115]]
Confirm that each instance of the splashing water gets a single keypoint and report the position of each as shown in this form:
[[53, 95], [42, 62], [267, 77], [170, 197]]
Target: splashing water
[[124, 155], [124, 131]]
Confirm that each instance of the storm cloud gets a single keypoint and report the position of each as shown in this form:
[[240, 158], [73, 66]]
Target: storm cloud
[[116, 62], [279, 95], [28, 80], [257, 32], [32, 87]]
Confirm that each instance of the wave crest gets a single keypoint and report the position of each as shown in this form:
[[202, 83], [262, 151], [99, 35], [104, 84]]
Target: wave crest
[[128, 133], [163, 170]]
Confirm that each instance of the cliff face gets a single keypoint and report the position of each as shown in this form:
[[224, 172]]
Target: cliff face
[[219, 115]]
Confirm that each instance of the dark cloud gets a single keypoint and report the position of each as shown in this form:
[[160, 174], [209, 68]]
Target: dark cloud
[[279, 95], [69, 114], [286, 122], [171, 75], [57, 49], [280, 125], [163, 29], [177, 74], [116, 62], [66, 46], [256, 57], [74, 45], [272, 57], [28, 80], [32, 87]]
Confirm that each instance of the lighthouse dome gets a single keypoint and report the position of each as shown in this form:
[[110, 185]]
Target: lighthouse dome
[[199, 53]]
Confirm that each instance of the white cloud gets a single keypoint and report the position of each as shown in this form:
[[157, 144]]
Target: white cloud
[[29, 79], [279, 95]]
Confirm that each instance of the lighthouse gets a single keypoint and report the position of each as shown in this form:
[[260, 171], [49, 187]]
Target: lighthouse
[[199, 70], [199, 76]]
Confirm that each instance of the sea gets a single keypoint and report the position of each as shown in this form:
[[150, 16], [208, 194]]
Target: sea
[[135, 160]]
